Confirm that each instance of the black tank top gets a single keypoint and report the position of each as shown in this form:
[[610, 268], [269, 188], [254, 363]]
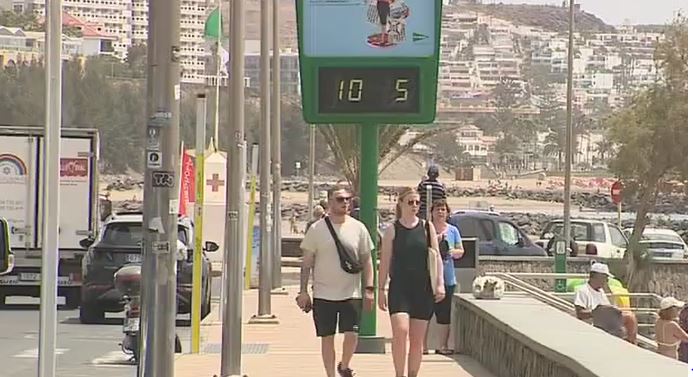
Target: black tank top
[[409, 255]]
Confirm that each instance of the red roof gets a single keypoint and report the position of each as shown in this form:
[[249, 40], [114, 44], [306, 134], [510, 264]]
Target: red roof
[[89, 30]]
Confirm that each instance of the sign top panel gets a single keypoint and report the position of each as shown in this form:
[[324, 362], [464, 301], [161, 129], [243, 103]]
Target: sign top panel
[[369, 28]]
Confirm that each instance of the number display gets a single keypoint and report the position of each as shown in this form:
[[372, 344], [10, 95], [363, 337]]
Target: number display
[[368, 90]]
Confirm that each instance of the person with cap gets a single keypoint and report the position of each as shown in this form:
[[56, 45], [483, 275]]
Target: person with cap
[[668, 333], [437, 190], [591, 299], [683, 322]]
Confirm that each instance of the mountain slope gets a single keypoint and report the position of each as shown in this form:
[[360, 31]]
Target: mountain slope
[[547, 17]]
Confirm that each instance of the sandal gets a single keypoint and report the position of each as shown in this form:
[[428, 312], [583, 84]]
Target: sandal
[[445, 352]]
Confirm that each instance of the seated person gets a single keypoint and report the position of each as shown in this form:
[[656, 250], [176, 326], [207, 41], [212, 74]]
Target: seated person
[[591, 296]]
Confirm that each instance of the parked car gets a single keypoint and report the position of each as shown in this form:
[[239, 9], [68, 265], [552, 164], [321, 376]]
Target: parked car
[[662, 243], [608, 240], [118, 244], [496, 234]]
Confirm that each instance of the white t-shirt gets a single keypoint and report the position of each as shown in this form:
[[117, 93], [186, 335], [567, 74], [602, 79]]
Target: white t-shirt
[[330, 281], [589, 298]]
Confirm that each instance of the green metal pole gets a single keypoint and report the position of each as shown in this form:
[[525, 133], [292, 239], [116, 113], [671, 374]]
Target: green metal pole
[[559, 252], [368, 342]]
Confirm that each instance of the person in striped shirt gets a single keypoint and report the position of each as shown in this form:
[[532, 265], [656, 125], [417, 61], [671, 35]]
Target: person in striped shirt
[[437, 190]]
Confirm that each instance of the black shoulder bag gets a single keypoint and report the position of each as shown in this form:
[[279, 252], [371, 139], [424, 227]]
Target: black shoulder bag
[[348, 260]]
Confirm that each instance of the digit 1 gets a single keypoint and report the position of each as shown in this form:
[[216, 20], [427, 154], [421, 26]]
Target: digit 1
[[341, 90], [358, 85]]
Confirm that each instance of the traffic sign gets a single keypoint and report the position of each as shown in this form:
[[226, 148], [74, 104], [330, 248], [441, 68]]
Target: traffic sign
[[369, 62], [616, 192]]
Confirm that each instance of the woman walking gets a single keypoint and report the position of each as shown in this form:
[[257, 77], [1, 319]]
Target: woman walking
[[450, 247], [411, 296]]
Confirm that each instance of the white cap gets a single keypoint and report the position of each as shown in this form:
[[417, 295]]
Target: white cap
[[671, 302], [601, 268]]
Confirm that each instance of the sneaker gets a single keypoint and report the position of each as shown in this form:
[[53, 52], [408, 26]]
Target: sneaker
[[345, 372]]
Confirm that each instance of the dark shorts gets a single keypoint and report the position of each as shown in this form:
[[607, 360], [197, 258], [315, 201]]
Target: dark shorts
[[326, 315], [417, 302], [442, 309], [383, 12]]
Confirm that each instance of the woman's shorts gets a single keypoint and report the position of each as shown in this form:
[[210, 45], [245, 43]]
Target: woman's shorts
[[418, 303], [442, 309]]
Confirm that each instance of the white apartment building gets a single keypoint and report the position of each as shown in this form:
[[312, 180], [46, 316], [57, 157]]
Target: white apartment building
[[127, 20], [193, 14]]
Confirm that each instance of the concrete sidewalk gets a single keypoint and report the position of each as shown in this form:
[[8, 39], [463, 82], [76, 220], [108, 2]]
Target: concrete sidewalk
[[291, 348]]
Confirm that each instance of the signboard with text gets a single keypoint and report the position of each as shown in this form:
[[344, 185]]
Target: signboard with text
[[369, 61]]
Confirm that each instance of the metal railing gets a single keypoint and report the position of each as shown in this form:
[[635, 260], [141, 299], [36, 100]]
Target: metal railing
[[558, 301]]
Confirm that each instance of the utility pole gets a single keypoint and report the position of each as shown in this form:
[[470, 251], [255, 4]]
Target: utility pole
[[561, 258], [51, 195], [232, 325], [276, 136], [161, 190], [264, 298]]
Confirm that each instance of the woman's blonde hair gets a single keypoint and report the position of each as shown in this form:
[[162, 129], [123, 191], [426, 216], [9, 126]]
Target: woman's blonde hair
[[400, 199]]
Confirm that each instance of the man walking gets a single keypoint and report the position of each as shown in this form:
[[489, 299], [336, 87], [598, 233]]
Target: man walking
[[338, 274], [437, 190]]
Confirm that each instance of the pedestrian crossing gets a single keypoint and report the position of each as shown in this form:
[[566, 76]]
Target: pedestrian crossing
[[114, 358], [32, 353]]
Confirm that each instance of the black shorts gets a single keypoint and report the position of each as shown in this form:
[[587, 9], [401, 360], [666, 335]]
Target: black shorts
[[442, 309], [326, 315], [416, 300], [383, 12]]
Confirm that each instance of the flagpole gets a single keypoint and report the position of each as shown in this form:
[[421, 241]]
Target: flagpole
[[218, 73]]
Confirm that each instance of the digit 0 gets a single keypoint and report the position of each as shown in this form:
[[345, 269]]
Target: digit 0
[[355, 90]]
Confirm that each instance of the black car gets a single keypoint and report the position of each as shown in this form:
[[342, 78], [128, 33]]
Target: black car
[[496, 234], [119, 243]]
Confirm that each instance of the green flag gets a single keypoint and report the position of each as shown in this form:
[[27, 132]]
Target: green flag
[[213, 27]]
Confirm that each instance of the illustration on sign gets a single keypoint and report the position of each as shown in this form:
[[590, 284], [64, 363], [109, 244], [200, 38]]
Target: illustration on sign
[[153, 142], [153, 160], [368, 28], [74, 167], [11, 165]]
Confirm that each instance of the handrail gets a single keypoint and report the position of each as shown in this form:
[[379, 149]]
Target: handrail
[[553, 301]]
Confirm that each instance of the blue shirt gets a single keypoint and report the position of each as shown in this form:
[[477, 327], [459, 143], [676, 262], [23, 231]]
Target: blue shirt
[[454, 239]]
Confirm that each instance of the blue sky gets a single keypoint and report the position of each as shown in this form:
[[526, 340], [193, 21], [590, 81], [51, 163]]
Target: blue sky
[[616, 11]]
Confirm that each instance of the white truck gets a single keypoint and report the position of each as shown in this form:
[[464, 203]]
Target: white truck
[[21, 204]]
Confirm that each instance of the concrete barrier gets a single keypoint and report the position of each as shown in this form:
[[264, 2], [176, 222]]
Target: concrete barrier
[[669, 277], [520, 336]]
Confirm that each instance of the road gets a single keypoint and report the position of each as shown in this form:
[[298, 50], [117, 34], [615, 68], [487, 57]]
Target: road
[[82, 350]]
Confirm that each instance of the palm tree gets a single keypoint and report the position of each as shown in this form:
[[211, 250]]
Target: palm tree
[[343, 141], [604, 148]]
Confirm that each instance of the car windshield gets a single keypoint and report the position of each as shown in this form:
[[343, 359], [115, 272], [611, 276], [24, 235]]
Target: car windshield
[[661, 237], [662, 245], [579, 231], [130, 234]]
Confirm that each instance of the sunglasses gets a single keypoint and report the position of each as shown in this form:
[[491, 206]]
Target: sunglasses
[[413, 203], [343, 199]]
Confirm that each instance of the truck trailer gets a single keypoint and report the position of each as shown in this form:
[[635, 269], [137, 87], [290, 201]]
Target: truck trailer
[[22, 184]]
